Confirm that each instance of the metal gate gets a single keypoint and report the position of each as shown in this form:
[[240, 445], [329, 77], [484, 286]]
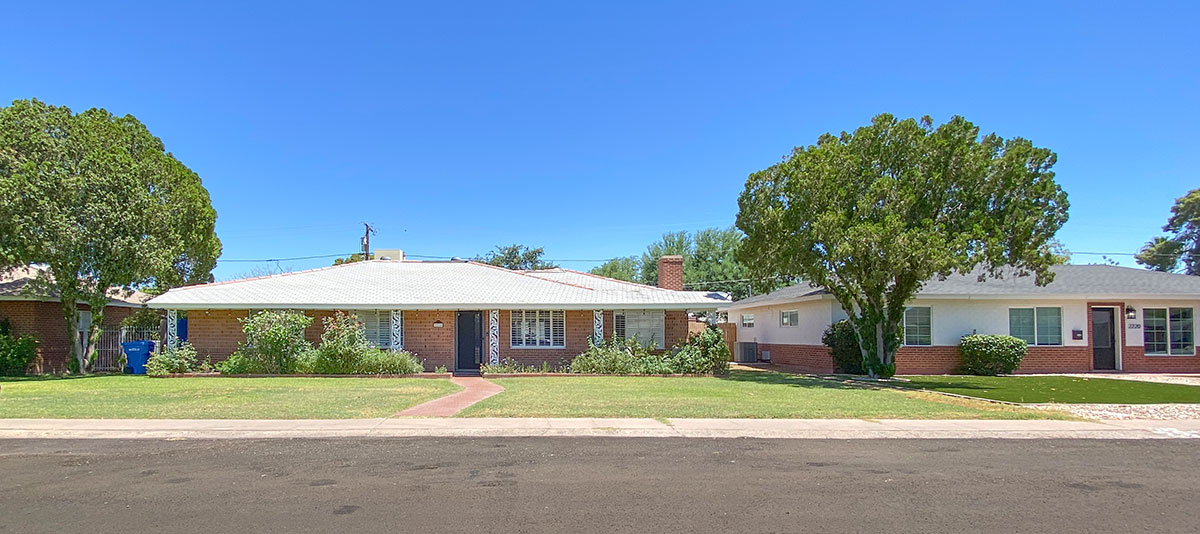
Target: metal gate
[[108, 356]]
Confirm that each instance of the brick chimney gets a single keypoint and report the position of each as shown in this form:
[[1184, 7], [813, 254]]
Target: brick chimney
[[670, 272]]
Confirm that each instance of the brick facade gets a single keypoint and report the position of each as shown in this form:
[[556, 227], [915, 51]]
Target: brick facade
[[942, 360], [945, 359], [804, 358], [433, 345], [216, 334], [44, 320]]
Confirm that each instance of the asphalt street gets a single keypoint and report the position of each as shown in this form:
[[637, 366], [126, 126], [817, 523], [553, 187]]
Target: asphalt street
[[598, 485]]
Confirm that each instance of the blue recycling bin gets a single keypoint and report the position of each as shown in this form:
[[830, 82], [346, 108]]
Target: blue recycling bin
[[137, 353]]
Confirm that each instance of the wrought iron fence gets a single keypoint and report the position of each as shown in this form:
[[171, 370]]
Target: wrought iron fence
[[109, 355]]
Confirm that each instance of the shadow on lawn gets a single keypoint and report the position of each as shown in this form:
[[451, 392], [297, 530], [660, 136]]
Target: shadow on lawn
[[46, 378], [784, 379], [938, 385]]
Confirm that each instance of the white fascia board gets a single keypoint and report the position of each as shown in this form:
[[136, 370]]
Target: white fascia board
[[1060, 296], [776, 302], [708, 306]]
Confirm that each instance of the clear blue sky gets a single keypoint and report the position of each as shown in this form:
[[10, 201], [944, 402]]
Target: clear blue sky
[[592, 128]]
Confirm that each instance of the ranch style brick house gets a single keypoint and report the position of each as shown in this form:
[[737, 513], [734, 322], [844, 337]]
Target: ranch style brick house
[[1090, 318], [38, 313], [457, 314]]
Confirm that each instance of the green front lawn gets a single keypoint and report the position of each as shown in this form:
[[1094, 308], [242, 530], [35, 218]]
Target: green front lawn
[[1063, 389], [752, 394], [126, 396]]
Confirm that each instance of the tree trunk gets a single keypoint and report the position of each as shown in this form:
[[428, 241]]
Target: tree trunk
[[70, 309], [93, 336], [880, 351]]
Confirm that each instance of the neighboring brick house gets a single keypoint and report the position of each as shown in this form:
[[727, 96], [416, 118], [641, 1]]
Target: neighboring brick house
[[40, 314], [456, 314], [1090, 318]]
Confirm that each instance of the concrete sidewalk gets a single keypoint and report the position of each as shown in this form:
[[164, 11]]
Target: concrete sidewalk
[[583, 427]]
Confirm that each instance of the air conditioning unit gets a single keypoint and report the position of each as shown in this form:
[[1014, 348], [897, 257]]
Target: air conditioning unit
[[766, 356], [747, 352]]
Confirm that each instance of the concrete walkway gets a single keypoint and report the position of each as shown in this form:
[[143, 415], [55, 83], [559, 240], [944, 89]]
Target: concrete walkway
[[474, 390], [584, 427]]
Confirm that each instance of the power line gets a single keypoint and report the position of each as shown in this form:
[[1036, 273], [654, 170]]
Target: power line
[[282, 259], [564, 260]]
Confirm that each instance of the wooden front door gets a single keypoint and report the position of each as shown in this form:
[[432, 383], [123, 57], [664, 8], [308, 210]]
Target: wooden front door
[[1104, 339]]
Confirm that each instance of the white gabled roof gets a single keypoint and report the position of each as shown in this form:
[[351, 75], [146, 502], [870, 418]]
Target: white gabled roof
[[415, 285]]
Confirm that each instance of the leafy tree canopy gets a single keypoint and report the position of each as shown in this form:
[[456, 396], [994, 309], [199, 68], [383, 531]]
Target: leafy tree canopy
[[710, 262], [351, 259], [516, 257], [1183, 245], [98, 200], [627, 268], [871, 215]]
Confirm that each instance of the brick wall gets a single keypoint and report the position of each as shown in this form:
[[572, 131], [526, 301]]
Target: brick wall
[[942, 360], [675, 330], [313, 332], [1134, 359], [216, 333], [45, 321], [804, 358], [435, 346]]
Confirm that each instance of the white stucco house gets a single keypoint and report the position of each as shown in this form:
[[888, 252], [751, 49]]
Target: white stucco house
[[1090, 318]]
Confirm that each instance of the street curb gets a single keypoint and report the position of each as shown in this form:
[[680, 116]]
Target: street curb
[[173, 429]]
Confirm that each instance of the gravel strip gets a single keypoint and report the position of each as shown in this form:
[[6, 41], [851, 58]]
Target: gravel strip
[[1187, 380], [1126, 411]]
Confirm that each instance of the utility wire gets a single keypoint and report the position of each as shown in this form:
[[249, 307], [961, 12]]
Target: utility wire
[[267, 260]]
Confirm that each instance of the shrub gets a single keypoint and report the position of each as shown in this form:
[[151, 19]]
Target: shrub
[[611, 357], [386, 362], [238, 364], [441, 369], [511, 366], [702, 353], [843, 344], [144, 318], [991, 354], [274, 342], [16, 352], [343, 346], [181, 359]]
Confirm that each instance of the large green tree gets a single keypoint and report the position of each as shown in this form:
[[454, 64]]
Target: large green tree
[[97, 200], [1165, 253], [516, 257], [671, 244], [710, 262], [627, 268], [872, 215]]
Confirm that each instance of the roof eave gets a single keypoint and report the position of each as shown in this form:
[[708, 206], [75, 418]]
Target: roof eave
[[697, 306]]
